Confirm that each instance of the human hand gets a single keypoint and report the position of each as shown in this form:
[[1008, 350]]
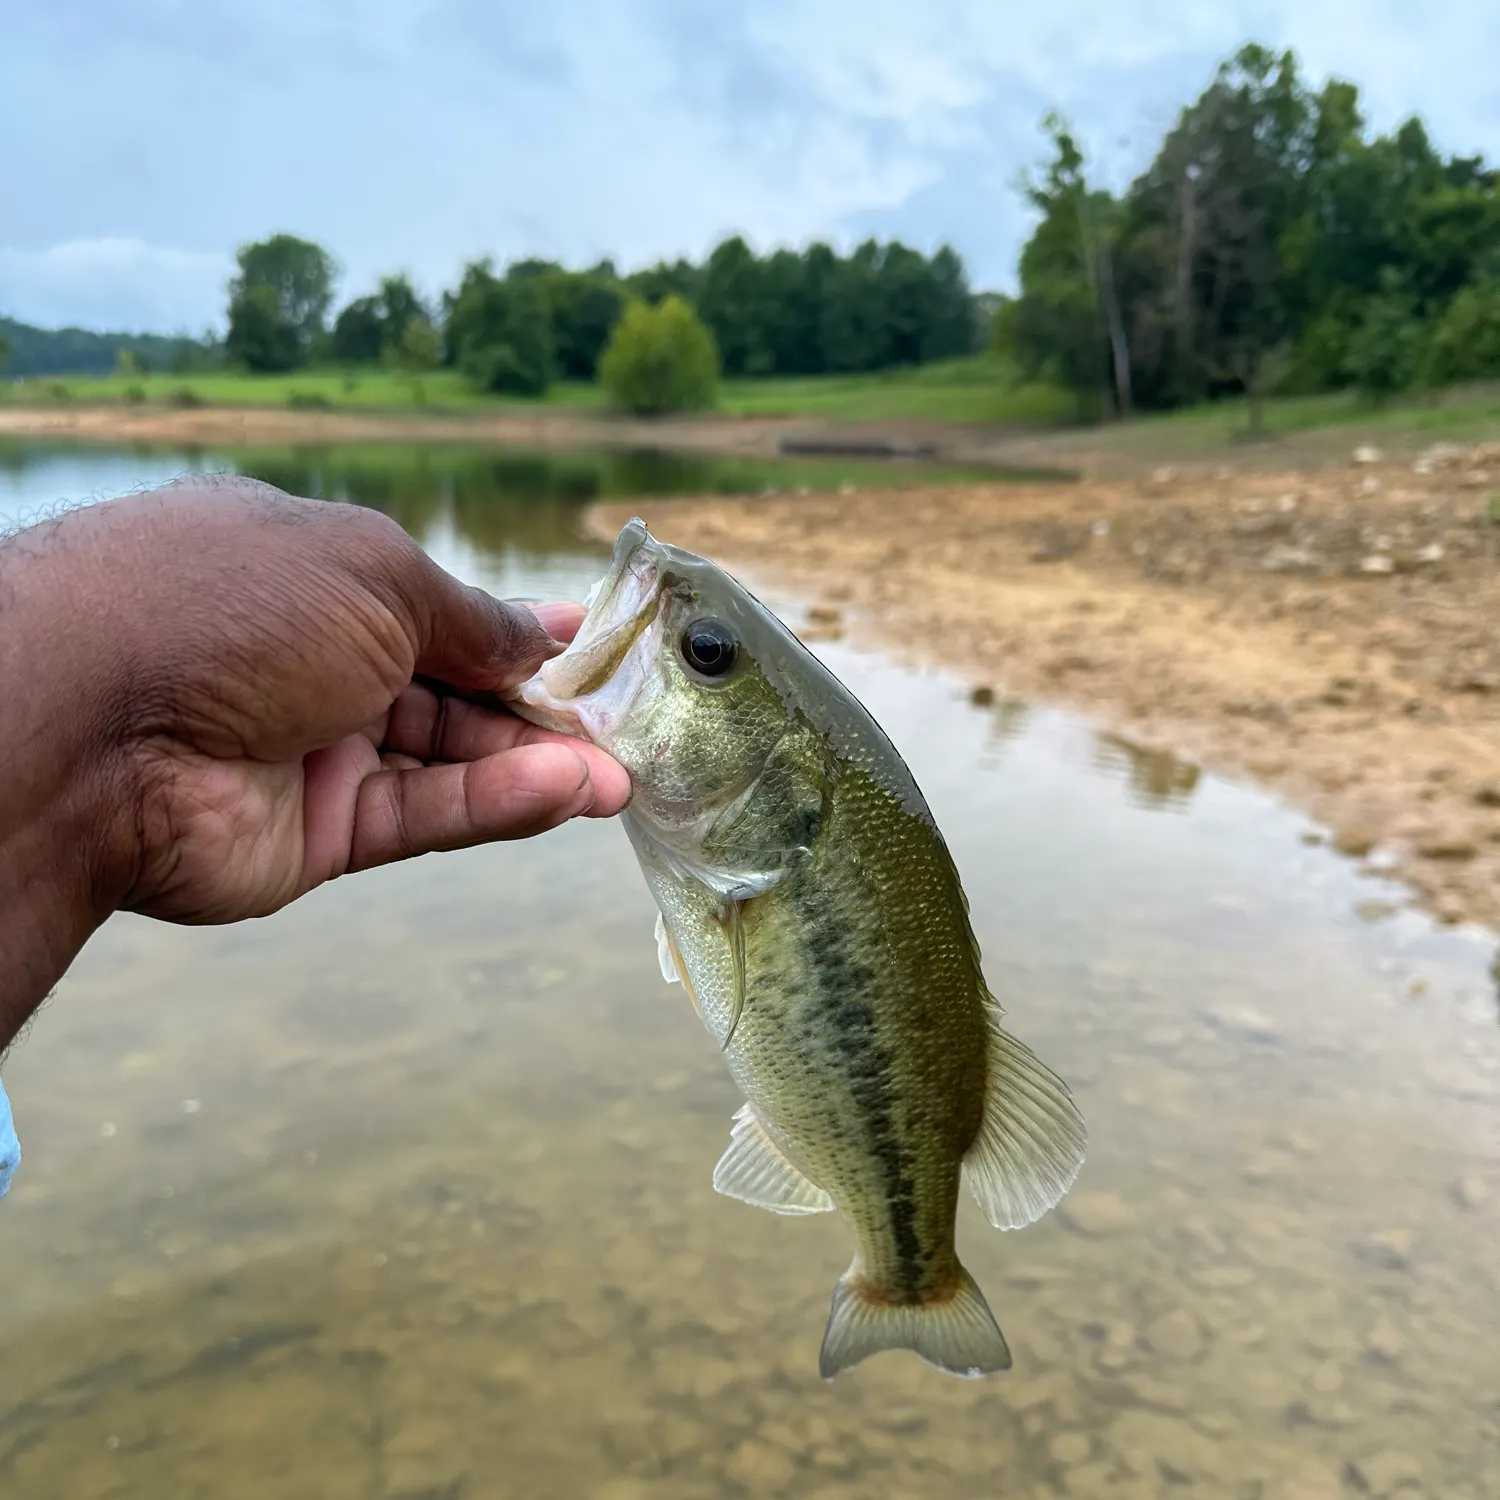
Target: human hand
[[240, 695]]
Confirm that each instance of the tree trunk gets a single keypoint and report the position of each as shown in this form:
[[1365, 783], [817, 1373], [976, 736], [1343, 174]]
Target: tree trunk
[[1116, 324], [1187, 233], [1257, 406], [1091, 269]]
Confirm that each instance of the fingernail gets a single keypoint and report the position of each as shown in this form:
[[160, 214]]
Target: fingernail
[[587, 785], [550, 614]]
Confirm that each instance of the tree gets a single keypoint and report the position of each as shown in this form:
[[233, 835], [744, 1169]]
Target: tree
[[5, 352], [259, 335], [1385, 346], [359, 332], [499, 332], [1211, 217], [660, 359], [420, 349], [585, 307], [399, 307], [1067, 321], [732, 302], [1269, 245], [1465, 343], [279, 301]]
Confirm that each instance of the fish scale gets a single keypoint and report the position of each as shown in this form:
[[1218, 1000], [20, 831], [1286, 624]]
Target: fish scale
[[812, 910]]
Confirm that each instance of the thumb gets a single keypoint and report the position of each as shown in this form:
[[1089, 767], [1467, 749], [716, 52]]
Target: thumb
[[475, 642]]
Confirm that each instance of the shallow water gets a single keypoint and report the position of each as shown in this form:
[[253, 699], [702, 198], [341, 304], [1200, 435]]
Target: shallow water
[[405, 1192]]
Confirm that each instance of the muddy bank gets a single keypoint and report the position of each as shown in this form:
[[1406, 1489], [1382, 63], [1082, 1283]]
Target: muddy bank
[[249, 427], [1333, 634]]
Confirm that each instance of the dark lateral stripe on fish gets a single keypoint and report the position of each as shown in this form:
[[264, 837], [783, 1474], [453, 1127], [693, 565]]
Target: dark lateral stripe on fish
[[842, 983]]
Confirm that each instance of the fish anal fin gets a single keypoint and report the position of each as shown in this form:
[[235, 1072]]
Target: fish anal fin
[[755, 1170], [1032, 1143], [957, 1333]]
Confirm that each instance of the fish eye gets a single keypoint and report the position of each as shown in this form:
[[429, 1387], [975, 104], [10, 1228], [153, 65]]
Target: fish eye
[[709, 647]]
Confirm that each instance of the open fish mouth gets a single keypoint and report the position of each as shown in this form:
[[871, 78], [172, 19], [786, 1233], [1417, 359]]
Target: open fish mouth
[[584, 690]]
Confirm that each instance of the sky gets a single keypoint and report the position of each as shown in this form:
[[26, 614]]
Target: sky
[[147, 139]]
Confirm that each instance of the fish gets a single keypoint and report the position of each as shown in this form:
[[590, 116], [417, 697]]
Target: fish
[[811, 910]]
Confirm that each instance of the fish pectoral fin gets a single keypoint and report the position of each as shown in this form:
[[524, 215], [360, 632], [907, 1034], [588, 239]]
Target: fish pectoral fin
[[730, 923], [755, 1170], [664, 952], [1032, 1142], [957, 1333]]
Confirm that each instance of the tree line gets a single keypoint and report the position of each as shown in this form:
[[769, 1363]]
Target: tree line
[[1272, 244], [516, 330], [26, 351]]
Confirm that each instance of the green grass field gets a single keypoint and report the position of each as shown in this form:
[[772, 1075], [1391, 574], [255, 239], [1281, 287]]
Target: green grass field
[[973, 390], [982, 390], [1460, 414]]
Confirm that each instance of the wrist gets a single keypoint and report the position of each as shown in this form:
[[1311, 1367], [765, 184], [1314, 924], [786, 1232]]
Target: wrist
[[64, 837]]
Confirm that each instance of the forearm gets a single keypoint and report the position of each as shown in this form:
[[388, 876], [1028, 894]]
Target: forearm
[[61, 798]]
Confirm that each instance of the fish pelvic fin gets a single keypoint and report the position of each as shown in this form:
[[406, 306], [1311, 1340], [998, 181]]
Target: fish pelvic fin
[[957, 1333], [756, 1171], [1032, 1142], [664, 959]]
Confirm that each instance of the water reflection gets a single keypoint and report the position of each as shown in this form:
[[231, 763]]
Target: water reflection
[[1157, 777], [1007, 716], [440, 1222]]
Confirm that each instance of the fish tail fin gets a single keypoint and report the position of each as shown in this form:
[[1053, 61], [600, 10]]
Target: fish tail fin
[[958, 1334]]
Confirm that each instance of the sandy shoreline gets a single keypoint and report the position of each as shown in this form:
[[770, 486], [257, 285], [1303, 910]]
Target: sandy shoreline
[[1333, 634], [224, 426]]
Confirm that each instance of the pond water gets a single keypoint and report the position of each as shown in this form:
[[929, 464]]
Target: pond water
[[406, 1191]]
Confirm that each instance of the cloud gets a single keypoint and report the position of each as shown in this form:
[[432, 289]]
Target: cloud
[[417, 134], [122, 284]]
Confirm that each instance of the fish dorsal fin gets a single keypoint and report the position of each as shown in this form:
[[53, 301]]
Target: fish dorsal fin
[[1032, 1142], [664, 952], [755, 1171]]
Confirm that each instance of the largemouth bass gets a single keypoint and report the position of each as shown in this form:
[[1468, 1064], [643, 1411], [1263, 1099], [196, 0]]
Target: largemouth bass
[[811, 910]]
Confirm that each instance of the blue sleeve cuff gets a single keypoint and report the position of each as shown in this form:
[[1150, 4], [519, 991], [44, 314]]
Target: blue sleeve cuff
[[10, 1147]]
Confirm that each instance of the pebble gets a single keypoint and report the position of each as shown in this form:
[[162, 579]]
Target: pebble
[[1375, 563], [1384, 1341], [1470, 1192], [1245, 1023], [1070, 1447], [1390, 1249], [622, 1487], [760, 1467], [1159, 1447], [1447, 844], [1176, 1335], [1097, 1213], [1487, 794], [1385, 1473], [1366, 454], [1356, 840], [1313, 1481], [1089, 1480], [1225, 1278]]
